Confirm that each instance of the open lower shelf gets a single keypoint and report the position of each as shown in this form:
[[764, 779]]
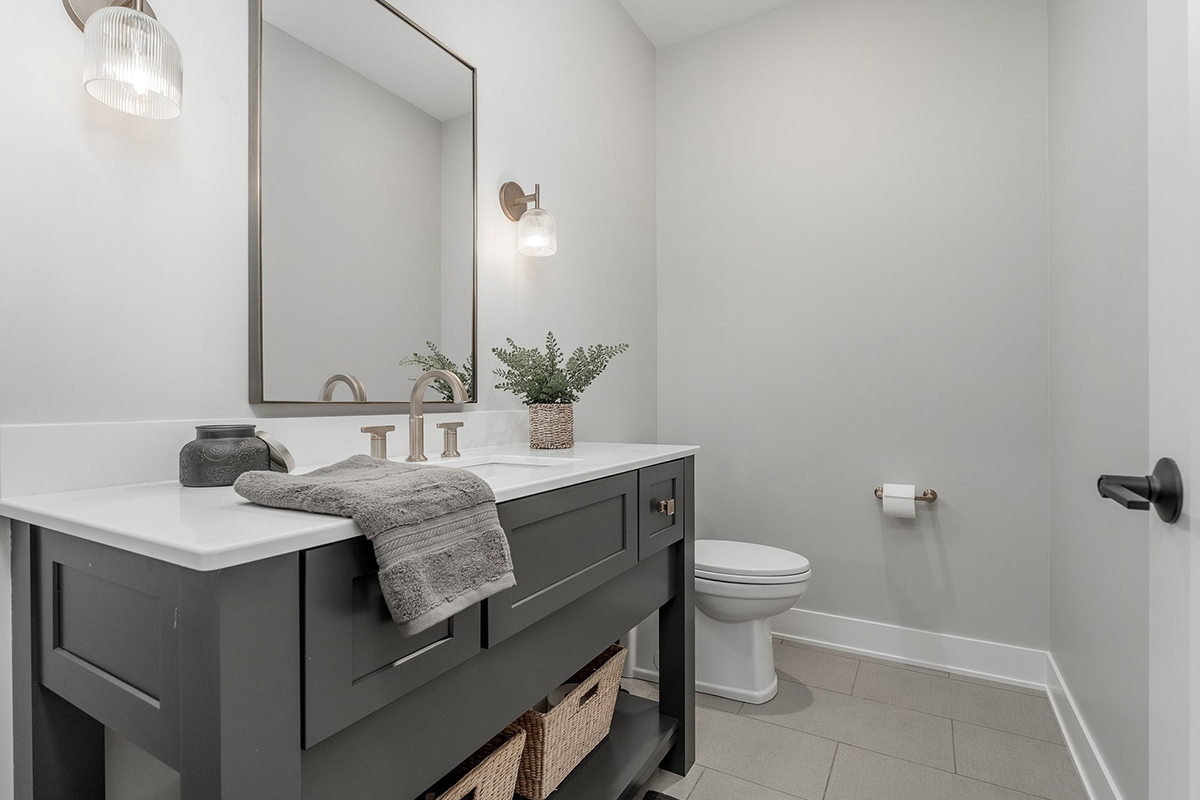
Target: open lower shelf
[[638, 740]]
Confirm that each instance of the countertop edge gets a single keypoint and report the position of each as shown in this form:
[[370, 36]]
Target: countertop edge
[[332, 529]]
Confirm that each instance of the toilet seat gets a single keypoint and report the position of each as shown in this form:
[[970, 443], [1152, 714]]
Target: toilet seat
[[752, 580], [748, 563]]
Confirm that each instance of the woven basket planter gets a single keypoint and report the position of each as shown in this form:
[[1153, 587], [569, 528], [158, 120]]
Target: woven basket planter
[[557, 741], [551, 426], [490, 774]]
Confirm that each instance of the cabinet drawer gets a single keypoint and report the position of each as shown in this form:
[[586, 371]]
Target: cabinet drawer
[[661, 507], [355, 661], [564, 544]]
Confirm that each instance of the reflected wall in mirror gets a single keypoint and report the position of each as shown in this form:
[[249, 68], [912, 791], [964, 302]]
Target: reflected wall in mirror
[[363, 203]]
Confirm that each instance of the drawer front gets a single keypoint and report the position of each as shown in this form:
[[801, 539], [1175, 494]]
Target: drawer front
[[661, 507], [355, 661], [564, 543]]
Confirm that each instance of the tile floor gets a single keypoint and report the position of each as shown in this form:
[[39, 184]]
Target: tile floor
[[848, 728]]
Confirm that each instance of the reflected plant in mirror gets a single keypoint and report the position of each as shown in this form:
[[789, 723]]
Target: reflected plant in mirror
[[436, 359], [550, 386]]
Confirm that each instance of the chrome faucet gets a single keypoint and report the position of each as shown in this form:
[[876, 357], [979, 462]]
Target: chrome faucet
[[360, 394], [416, 409]]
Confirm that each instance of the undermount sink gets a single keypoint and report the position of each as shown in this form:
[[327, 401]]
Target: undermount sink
[[495, 466]]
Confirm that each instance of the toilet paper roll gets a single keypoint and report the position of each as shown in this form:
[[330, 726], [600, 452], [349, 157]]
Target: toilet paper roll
[[899, 500]]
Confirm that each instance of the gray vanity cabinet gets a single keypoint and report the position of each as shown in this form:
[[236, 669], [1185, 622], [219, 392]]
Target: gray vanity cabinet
[[284, 679]]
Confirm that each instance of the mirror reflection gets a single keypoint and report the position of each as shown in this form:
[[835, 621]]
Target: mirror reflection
[[367, 204]]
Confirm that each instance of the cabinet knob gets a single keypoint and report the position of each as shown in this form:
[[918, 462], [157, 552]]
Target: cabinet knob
[[667, 507]]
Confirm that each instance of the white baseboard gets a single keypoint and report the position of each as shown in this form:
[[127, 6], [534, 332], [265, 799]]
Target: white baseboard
[[642, 673], [974, 657], [1097, 779]]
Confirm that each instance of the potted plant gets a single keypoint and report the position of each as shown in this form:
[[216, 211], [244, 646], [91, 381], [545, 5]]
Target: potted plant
[[550, 386], [439, 360]]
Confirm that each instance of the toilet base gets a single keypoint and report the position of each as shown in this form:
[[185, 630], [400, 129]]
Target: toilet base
[[735, 659]]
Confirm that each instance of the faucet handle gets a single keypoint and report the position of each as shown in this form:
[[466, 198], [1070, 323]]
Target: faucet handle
[[450, 439], [378, 438]]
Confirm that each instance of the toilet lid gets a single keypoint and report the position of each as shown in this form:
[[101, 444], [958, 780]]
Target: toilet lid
[[729, 560]]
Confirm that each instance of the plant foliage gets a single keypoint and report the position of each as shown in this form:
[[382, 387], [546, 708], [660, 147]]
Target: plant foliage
[[438, 360], [543, 377]]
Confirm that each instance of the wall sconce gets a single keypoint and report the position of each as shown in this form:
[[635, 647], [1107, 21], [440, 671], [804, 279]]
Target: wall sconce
[[131, 62], [536, 233]]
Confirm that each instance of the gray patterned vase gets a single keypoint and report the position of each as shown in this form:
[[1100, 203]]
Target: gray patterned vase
[[220, 454]]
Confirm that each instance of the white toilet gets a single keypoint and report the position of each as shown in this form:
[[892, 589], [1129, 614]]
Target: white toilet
[[739, 586]]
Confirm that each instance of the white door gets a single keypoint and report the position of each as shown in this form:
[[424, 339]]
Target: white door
[[1174, 225]]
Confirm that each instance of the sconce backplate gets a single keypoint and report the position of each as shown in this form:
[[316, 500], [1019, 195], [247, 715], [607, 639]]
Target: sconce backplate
[[80, 10], [513, 200]]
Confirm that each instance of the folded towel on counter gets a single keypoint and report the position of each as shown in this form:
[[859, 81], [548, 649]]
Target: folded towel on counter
[[436, 534]]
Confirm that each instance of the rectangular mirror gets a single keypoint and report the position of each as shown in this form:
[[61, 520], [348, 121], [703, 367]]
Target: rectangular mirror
[[362, 197]]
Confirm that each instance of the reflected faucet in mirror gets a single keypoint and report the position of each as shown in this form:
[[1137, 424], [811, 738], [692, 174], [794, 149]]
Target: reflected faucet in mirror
[[416, 408], [356, 388]]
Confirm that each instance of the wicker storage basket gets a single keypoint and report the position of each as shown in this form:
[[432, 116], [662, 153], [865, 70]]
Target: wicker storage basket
[[490, 774], [551, 426], [560, 739]]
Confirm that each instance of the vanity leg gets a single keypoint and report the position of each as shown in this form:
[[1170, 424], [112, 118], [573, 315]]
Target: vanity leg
[[676, 638], [58, 751], [239, 672]]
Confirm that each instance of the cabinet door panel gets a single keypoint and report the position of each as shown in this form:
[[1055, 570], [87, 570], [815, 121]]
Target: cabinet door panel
[[110, 639], [661, 507], [355, 661], [564, 543]]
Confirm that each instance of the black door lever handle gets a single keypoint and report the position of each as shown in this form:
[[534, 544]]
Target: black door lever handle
[[1129, 491], [1163, 489]]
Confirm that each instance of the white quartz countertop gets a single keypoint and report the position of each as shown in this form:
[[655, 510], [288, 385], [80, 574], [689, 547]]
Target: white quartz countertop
[[208, 529]]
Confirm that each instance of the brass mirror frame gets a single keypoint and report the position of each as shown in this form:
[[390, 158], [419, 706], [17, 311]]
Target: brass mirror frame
[[314, 408]]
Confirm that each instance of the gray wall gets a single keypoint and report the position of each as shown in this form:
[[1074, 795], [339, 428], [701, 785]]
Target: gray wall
[[1099, 402], [352, 227], [852, 266]]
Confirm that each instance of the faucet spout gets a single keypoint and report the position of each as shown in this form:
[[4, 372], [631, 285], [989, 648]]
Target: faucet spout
[[356, 387], [416, 408]]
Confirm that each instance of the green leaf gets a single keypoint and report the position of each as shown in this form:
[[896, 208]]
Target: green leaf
[[438, 360], [542, 377]]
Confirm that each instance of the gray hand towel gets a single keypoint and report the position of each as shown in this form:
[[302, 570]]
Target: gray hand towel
[[436, 534]]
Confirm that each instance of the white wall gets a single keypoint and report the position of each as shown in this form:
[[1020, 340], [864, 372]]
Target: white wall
[[1098, 311], [123, 284], [852, 267], [352, 226], [6, 694], [1173, 110], [125, 281], [457, 283]]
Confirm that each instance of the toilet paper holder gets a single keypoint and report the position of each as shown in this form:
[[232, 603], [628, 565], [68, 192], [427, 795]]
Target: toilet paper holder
[[928, 496]]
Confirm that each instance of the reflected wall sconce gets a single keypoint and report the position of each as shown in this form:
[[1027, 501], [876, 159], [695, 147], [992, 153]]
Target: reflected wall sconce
[[130, 61], [536, 233]]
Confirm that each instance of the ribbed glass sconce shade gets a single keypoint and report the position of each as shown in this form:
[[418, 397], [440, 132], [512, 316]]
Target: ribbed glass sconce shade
[[536, 234], [132, 63]]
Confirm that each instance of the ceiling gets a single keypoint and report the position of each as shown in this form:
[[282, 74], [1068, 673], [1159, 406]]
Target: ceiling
[[669, 21], [384, 49]]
